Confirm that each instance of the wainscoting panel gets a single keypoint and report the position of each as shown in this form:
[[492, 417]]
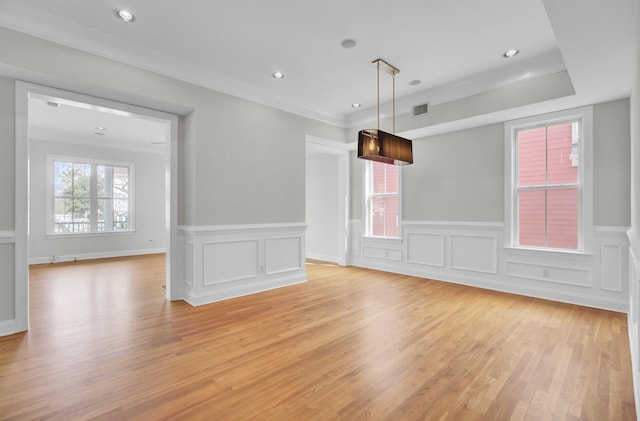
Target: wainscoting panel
[[284, 255], [549, 273], [227, 261], [425, 249], [475, 254], [611, 269], [223, 262]]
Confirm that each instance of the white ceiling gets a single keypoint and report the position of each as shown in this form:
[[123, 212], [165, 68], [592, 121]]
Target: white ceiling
[[453, 47]]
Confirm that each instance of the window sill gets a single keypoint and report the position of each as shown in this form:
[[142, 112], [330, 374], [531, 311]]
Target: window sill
[[548, 252], [89, 234]]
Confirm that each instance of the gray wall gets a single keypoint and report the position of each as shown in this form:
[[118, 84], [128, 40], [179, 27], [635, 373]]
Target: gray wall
[[612, 164], [459, 176], [7, 204], [322, 205], [456, 177], [635, 150], [149, 196]]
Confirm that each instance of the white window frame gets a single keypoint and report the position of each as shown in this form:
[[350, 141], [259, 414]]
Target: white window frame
[[83, 160], [368, 180], [585, 176]]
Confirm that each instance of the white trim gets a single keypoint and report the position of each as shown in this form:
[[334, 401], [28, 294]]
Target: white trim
[[342, 150], [22, 92], [457, 224], [7, 237], [585, 182], [236, 228], [91, 256], [330, 146], [322, 257]]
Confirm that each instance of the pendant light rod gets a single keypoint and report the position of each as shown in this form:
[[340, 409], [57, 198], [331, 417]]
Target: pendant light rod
[[393, 71]]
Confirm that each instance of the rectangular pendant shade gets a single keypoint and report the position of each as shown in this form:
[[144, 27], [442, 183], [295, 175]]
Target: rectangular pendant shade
[[380, 146]]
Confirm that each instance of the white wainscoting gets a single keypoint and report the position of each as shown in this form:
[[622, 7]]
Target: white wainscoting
[[222, 262], [633, 314], [473, 254]]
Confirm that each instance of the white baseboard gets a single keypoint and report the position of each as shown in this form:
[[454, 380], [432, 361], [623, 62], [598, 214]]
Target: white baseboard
[[91, 256], [7, 327], [323, 257]]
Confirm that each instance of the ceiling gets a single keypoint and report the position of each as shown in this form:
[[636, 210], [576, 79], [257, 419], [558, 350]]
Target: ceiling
[[454, 48]]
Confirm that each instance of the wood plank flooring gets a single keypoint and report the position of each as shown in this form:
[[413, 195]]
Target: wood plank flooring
[[350, 344]]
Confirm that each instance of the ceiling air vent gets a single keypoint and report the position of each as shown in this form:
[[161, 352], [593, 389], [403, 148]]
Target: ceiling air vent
[[421, 109]]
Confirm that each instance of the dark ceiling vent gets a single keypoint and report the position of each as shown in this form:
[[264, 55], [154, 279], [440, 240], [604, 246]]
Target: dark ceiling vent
[[421, 109]]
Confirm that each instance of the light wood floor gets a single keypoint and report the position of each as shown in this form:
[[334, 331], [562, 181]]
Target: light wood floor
[[351, 344]]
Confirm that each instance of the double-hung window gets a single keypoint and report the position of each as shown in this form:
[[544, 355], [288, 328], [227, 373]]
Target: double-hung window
[[548, 182], [382, 197], [89, 196]]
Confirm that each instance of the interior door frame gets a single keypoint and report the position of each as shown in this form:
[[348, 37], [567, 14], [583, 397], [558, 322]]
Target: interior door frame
[[342, 150], [22, 91]]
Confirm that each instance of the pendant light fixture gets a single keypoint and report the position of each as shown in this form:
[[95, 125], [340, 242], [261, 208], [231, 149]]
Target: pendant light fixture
[[376, 145]]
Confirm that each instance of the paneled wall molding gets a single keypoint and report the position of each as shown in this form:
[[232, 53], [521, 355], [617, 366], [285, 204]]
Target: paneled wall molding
[[633, 316], [7, 237], [474, 254], [222, 262]]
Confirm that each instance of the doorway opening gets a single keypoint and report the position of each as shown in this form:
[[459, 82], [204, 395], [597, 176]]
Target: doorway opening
[[90, 157]]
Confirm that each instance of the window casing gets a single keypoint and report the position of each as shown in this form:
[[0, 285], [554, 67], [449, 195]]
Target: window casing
[[382, 200], [87, 196], [548, 188]]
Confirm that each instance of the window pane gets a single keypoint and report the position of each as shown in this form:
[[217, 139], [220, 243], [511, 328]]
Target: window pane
[[81, 209], [531, 218], [384, 178], [532, 157], [562, 218], [63, 216], [63, 178], [120, 214], [101, 175], [561, 168], [391, 185], [384, 219], [121, 182], [81, 180]]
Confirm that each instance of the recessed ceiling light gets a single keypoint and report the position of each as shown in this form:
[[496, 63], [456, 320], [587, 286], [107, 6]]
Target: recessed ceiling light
[[356, 105], [510, 53], [278, 75], [101, 128], [348, 43], [415, 82], [124, 15]]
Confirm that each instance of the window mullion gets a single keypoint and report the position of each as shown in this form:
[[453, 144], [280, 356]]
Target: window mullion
[[93, 192]]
